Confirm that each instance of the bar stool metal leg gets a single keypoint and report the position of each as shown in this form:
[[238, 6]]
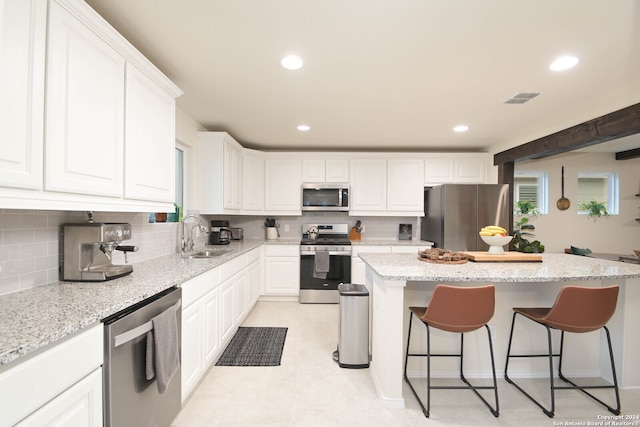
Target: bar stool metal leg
[[426, 410], [552, 387]]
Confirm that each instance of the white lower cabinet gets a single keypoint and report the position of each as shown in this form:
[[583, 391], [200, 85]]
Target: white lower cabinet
[[192, 348], [79, 406], [282, 270], [200, 327], [227, 307], [358, 266], [214, 305], [62, 386]]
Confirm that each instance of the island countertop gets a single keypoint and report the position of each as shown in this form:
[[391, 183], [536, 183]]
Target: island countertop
[[553, 268]]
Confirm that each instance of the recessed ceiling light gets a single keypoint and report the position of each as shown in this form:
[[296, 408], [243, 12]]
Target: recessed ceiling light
[[564, 63], [291, 62], [461, 128], [303, 128]]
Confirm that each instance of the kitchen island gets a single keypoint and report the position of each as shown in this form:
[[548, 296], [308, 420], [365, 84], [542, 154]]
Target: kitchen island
[[399, 280]]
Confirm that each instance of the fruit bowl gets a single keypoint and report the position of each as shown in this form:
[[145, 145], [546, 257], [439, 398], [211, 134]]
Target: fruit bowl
[[496, 243]]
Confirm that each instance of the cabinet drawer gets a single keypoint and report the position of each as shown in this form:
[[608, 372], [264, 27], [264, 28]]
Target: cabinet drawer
[[282, 250], [34, 382], [232, 267], [196, 288]]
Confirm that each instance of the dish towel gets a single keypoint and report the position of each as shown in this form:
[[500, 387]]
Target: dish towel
[[163, 350], [321, 266]]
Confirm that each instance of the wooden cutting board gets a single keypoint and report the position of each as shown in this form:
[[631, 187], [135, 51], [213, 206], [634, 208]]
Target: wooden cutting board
[[506, 257]]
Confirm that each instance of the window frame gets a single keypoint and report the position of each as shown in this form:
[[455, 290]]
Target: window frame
[[613, 190], [542, 178]]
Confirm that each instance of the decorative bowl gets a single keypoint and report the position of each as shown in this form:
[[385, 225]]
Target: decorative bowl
[[496, 243]]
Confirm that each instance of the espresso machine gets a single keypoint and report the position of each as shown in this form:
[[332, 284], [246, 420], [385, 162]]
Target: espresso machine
[[86, 250]]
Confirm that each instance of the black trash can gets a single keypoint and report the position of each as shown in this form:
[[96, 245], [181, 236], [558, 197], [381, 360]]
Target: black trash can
[[353, 339]]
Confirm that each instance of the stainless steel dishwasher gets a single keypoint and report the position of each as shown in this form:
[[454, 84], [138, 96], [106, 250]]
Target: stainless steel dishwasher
[[129, 398]]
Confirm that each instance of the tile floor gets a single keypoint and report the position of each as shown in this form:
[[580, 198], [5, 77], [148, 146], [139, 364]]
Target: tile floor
[[309, 389]]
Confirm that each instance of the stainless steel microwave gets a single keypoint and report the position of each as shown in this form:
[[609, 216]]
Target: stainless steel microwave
[[325, 197]]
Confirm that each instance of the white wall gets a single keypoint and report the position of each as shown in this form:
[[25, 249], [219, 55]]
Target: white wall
[[561, 229]]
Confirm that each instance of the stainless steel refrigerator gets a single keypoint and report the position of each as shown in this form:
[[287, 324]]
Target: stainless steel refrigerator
[[455, 213]]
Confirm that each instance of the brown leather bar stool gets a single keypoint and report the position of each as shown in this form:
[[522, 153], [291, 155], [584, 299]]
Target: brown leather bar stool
[[460, 310], [577, 310]]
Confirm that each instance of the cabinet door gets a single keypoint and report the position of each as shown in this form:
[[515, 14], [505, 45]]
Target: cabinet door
[[192, 347], [242, 295], [84, 109], [313, 170], [149, 140], [211, 330], [227, 308], [405, 185], [439, 171], [79, 406], [282, 185], [282, 275], [368, 185], [232, 176], [252, 181], [22, 59], [337, 170], [470, 171], [254, 282]]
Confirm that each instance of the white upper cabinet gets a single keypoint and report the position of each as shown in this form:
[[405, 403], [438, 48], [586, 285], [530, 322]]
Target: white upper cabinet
[[471, 170], [405, 186], [368, 185], [459, 169], [220, 165], [79, 104], [387, 187], [325, 170], [337, 170], [22, 67], [149, 139], [252, 181], [283, 177], [85, 109], [439, 171]]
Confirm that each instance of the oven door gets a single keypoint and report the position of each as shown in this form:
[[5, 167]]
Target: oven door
[[315, 290]]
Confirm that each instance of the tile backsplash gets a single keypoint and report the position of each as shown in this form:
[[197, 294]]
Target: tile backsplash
[[29, 239], [29, 243]]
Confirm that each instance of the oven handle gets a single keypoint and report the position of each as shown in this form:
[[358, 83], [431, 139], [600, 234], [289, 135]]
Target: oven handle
[[338, 253]]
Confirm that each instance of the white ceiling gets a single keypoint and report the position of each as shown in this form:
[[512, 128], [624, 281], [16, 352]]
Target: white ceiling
[[388, 74]]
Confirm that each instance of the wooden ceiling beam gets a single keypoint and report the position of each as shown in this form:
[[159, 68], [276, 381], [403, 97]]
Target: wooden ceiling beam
[[611, 126], [628, 154]]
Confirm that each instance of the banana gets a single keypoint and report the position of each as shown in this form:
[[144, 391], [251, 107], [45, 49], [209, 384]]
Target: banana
[[492, 230]]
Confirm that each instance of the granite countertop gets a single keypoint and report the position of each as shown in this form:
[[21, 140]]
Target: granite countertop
[[36, 317], [553, 268]]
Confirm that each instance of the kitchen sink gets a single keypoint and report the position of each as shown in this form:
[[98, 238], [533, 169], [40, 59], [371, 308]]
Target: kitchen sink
[[208, 253]]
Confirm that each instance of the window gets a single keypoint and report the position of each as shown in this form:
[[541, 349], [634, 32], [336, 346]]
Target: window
[[179, 177], [532, 187], [602, 187]]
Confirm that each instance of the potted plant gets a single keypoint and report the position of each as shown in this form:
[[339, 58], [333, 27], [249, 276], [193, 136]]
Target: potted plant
[[595, 209], [523, 229]]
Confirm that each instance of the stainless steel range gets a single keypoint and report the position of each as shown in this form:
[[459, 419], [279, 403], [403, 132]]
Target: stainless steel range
[[325, 262]]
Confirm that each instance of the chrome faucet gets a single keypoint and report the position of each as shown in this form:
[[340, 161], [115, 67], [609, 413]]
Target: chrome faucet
[[188, 244]]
